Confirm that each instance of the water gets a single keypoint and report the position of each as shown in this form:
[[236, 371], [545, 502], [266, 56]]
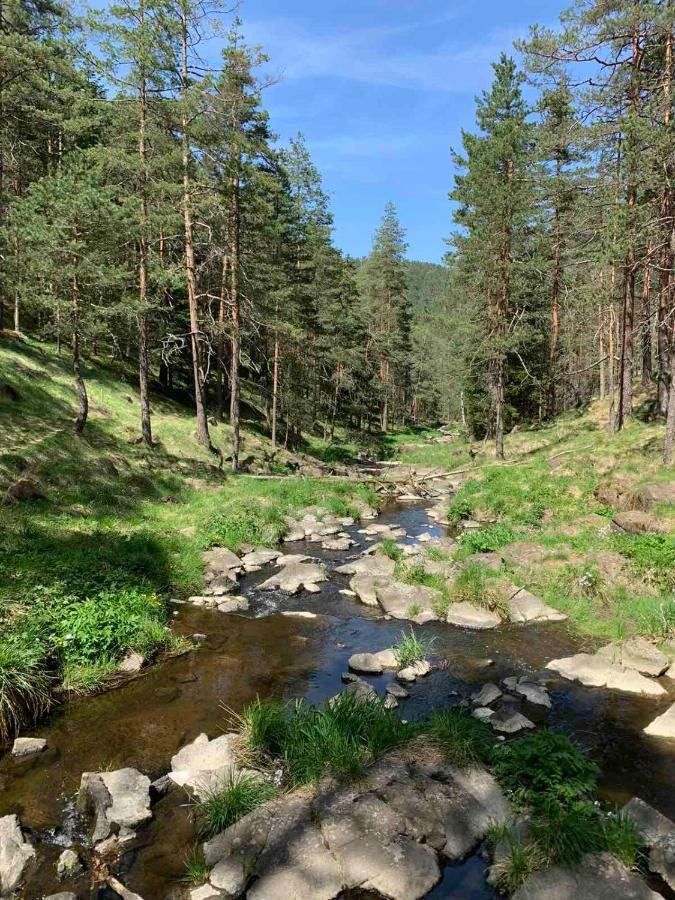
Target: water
[[144, 722]]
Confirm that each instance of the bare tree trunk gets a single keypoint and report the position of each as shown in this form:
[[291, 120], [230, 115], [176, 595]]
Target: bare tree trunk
[[611, 385], [200, 400], [143, 380], [82, 399], [601, 335], [275, 388], [626, 363], [555, 302], [235, 383], [645, 320], [669, 445]]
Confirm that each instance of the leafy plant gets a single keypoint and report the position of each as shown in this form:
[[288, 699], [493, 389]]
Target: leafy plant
[[545, 766], [486, 540]]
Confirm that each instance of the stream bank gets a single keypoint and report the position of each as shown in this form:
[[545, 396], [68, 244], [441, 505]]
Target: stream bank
[[262, 653]]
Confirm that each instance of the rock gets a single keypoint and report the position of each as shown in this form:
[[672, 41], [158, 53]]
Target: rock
[[349, 678], [651, 824], [361, 690], [467, 615], [365, 588], [62, 895], [533, 693], [396, 690], [119, 801], [221, 585], [68, 865], [414, 602], [483, 713], [299, 614], [489, 560], [23, 489], [663, 725], [233, 604], [221, 561], [415, 671], [293, 577], [523, 554], [390, 702], [339, 543], [509, 721], [617, 493], [639, 654], [637, 522], [652, 494], [487, 695], [205, 892], [598, 671], [120, 890], [160, 787], [373, 663], [204, 763], [15, 853], [525, 607], [27, 746], [132, 663], [372, 564], [662, 859], [598, 877], [257, 558], [199, 638]]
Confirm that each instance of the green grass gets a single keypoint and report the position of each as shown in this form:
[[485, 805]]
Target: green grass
[[340, 738], [390, 548], [521, 859], [464, 741], [25, 683], [481, 586], [196, 869], [411, 649], [238, 795], [415, 573], [484, 540]]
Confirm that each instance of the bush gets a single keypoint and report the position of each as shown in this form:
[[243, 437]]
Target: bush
[[465, 741], [486, 540], [238, 795], [652, 556], [479, 585], [545, 766]]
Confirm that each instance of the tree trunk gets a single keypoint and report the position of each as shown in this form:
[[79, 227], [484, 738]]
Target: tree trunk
[[663, 334], [235, 384], [222, 341], [82, 399], [143, 363], [611, 385], [646, 320], [198, 376], [555, 302], [275, 388], [626, 362], [669, 445], [601, 335]]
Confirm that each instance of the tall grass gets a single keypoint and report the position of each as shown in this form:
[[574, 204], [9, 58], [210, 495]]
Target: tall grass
[[411, 649], [464, 741], [238, 795], [25, 684]]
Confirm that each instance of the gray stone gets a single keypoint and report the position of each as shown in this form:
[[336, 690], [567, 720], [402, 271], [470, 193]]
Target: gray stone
[[408, 601], [204, 763], [651, 824], [299, 614], [220, 559], [533, 693], [62, 895], [396, 690], [598, 877], [413, 672], [390, 702], [361, 690], [637, 653], [258, 558], [132, 663], [483, 713], [119, 801], [205, 892], [509, 721], [365, 663], [233, 604], [338, 543], [662, 859], [652, 494], [598, 671], [68, 865], [487, 695], [372, 564], [525, 607], [27, 746], [365, 588], [293, 577], [467, 615], [15, 853]]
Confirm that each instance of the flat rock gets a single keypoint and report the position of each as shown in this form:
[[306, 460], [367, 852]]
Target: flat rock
[[525, 607], [15, 853], [416, 670], [28, 746], [338, 543], [233, 604], [533, 693], [637, 653], [489, 560], [371, 564], [487, 695], [598, 671], [365, 588], [509, 721], [119, 801], [132, 663], [257, 558], [662, 859], [663, 725], [373, 663], [361, 690], [396, 690], [652, 494], [299, 614], [523, 554], [467, 615], [414, 602], [482, 713], [294, 577], [62, 895], [204, 763], [651, 824], [219, 559], [598, 877], [635, 521]]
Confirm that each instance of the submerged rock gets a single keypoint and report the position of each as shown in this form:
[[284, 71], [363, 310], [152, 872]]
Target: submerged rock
[[15, 853], [119, 801]]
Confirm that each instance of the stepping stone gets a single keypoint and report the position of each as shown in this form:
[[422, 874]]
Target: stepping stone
[[414, 602], [466, 615], [337, 544], [24, 747], [637, 653], [525, 607], [533, 693], [374, 564], [483, 713], [365, 664], [598, 671], [233, 604], [293, 577], [663, 725], [204, 763], [487, 695], [390, 702], [119, 801], [258, 558], [396, 690], [509, 721], [15, 854], [415, 671]]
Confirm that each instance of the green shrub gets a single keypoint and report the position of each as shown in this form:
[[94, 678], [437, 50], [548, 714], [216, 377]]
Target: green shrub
[[465, 741], [460, 508], [25, 683], [486, 540], [479, 585], [239, 794], [264, 725], [652, 556], [545, 766]]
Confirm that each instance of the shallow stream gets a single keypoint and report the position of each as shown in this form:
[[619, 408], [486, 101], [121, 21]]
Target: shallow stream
[[145, 721]]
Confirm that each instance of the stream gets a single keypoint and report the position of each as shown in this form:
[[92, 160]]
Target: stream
[[261, 654]]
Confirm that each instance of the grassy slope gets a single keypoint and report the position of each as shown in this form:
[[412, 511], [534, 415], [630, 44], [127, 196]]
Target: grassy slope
[[120, 528], [609, 584]]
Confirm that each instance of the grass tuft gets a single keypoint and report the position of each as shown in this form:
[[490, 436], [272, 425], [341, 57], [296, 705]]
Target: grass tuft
[[25, 684], [465, 741], [411, 649], [238, 795]]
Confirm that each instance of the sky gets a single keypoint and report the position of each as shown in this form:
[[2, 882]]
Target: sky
[[381, 90]]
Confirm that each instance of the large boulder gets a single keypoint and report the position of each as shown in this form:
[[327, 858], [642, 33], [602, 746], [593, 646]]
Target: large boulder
[[651, 495], [468, 615], [596, 670], [295, 577], [118, 801], [373, 663], [15, 854], [372, 564], [599, 876], [409, 601], [637, 653], [204, 763]]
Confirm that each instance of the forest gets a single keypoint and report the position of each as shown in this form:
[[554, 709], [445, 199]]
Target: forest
[[148, 214]]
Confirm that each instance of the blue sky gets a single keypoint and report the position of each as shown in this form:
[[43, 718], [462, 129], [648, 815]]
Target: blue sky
[[381, 90]]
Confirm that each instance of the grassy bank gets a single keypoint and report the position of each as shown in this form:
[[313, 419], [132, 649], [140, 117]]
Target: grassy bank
[[545, 511], [86, 566]]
